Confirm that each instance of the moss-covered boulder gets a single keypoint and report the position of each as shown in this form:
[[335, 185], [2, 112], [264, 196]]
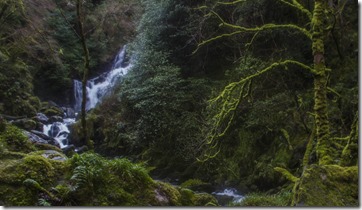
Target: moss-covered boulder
[[35, 166], [328, 185], [13, 139], [27, 124], [51, 109], [165, 194]]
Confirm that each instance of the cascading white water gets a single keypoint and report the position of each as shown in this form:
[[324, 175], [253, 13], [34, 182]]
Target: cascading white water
[[99, 86], [230, 193], [59, 131]]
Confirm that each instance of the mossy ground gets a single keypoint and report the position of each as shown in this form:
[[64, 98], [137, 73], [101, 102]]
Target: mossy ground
[[328, 185]]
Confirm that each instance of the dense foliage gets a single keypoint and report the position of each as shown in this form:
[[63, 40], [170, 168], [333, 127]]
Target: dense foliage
[[208, 102]]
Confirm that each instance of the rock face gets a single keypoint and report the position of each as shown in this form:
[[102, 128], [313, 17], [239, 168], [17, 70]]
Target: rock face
[[328, 186], [37, 138]]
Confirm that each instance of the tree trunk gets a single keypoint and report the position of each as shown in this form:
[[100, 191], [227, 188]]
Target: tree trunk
[[85, 77], [320, 84]]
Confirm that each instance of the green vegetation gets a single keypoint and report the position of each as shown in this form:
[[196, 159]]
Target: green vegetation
[[256, 95], [258, 199]]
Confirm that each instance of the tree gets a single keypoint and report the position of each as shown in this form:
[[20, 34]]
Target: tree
[[85, 74], [315, 30]]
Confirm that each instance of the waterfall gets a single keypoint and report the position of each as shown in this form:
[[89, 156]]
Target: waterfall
[[59, 131], [100, 86], [97, 88]]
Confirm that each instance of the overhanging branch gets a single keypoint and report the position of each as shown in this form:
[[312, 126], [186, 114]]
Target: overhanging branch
[[241, 29], [295, 4]]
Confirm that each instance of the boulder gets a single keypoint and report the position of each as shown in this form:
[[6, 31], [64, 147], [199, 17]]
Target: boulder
[[53, 119], [35, 138], [39, 140], [27, 124], [41, 118], [69, 112], [41, 134], [54, 155]]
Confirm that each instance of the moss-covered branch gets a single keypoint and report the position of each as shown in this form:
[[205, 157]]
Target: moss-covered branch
[[295, 4], [230, 3], [229, 100], [309, 149], [286, 174], [350, 151], [241, 29]]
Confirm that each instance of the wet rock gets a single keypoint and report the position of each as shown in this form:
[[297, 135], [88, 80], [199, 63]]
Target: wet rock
[[38, 138], [41, 135], [39, 126], [54, 119], [54, 142], [54, 155], [41, 118], [69, 112], [34, 138]]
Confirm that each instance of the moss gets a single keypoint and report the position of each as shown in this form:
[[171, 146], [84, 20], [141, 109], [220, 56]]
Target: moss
[[77, 133], [35, 102], [260, 199], [36, 167], [166, 195], [26, 124], [13, 139], [13, 173], [327, 185], [47, 147], [187, 197], [350, 152], [204, 199], [286, 174], [192, 183], [53, 111], [16, 195]]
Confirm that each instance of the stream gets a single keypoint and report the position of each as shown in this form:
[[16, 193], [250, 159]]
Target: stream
[[227, 196], [97, 89]]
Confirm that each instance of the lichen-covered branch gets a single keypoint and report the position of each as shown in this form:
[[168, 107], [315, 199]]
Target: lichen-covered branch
[[230, 3], [350, 151], [309, 149], [286, 174], [295, 4], [229, 100], [241, 29]]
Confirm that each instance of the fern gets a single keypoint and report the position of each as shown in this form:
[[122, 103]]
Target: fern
[[43, 202]]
